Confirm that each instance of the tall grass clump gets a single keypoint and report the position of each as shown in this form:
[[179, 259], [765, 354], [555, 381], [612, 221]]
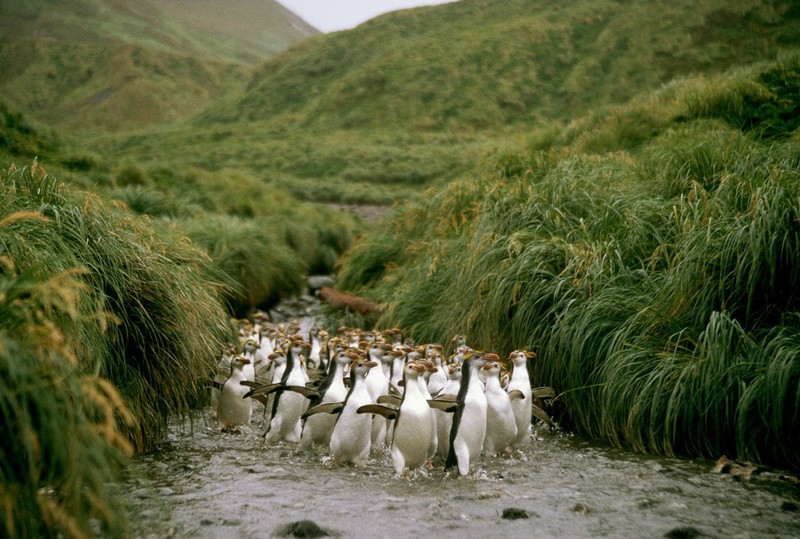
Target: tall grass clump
[[657, 282], [61, 444], [259, 266], [164, 317]]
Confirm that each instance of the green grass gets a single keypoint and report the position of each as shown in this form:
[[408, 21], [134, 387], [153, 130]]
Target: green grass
[[654, 274], [101, 312]]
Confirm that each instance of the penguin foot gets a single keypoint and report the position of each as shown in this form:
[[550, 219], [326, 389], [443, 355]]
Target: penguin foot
[[429, 464]]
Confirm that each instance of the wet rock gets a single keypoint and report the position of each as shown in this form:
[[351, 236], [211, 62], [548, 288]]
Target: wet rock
[[684, 532], [581, 508], [514, 513], [316, 282], [302, 528], [789, 506], [646, 503]]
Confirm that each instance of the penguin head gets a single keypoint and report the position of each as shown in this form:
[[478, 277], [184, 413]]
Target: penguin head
[[362, 366], [454, 371], [239, 361], [278, 357], [491, 368], [413, 370]]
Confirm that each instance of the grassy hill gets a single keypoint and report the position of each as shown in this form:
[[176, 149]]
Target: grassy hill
[[420, 97], [110, 65], [648, 253], [476, 64]]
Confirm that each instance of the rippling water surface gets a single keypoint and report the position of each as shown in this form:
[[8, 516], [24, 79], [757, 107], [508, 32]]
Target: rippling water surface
[[203, 483]]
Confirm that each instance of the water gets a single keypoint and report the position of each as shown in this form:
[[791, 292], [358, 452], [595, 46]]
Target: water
[[206, 484], [203, 483]]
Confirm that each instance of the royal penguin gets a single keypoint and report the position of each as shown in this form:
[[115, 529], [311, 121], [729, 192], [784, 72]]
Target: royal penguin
[[249, 348], [351, 438], [412, 433], [444, 420], [233, 410], [377, 382], [522, 407], [222, 373], [314, 358], [290, 395], [317, 428], [468, 430], [501, 427], [437, 379]]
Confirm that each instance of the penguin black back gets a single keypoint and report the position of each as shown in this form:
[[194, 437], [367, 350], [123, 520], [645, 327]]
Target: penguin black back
[[278, 392], [466, 373]]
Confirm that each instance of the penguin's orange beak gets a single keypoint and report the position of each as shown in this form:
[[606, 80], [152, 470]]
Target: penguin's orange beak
[[370, 364], [491, 357]]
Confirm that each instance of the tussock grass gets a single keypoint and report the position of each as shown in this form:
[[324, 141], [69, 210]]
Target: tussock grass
[[654, 274], [110, 324]]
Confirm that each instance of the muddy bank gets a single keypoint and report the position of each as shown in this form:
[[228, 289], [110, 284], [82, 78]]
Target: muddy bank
[[202, 483]]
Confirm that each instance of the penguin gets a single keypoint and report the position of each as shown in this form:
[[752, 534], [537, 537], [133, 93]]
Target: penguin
[[469, 415], [397, 372], [438, 378], [289, 401], [233, 410], [412, 425], [222, 374], [351, 438], [423, 388], [501, 427], [316, 347], [377, 383], [444, 420], [520, 381], [249, 348], [266, 344], [317, 429]]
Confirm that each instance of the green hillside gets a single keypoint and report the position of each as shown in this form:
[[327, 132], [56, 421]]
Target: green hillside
[[478, 64], [111, 65], [649, 254], [420, 97]]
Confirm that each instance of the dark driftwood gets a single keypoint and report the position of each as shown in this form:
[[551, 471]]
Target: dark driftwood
[[340, 300]]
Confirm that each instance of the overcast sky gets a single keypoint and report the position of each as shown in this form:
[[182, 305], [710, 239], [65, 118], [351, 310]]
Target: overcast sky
[[333, 15]]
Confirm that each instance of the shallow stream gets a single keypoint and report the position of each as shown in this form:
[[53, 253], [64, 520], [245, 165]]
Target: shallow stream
[[203, 483]]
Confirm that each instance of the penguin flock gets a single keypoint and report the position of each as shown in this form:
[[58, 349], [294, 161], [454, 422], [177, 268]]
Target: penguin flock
[[360, 392]]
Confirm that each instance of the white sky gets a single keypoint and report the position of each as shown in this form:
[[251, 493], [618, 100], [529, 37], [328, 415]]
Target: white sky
[[333, 15]]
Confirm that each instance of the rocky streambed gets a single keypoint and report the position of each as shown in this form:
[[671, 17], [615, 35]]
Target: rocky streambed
[[204, 483]]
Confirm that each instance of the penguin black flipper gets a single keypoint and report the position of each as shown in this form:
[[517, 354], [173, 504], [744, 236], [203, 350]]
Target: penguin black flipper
[[444, 405], [516, 395], [250, 384], [541, 414], [394, 391], [394, 400], [307, 392], [379, 409], [261, 398], [327, 408], [214, 385], [262, 389]]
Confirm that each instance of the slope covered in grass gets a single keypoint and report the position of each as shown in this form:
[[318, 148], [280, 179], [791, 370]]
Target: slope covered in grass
[[649, 253], [478, 64], [110, 65], [110, 324], [421, 97]]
